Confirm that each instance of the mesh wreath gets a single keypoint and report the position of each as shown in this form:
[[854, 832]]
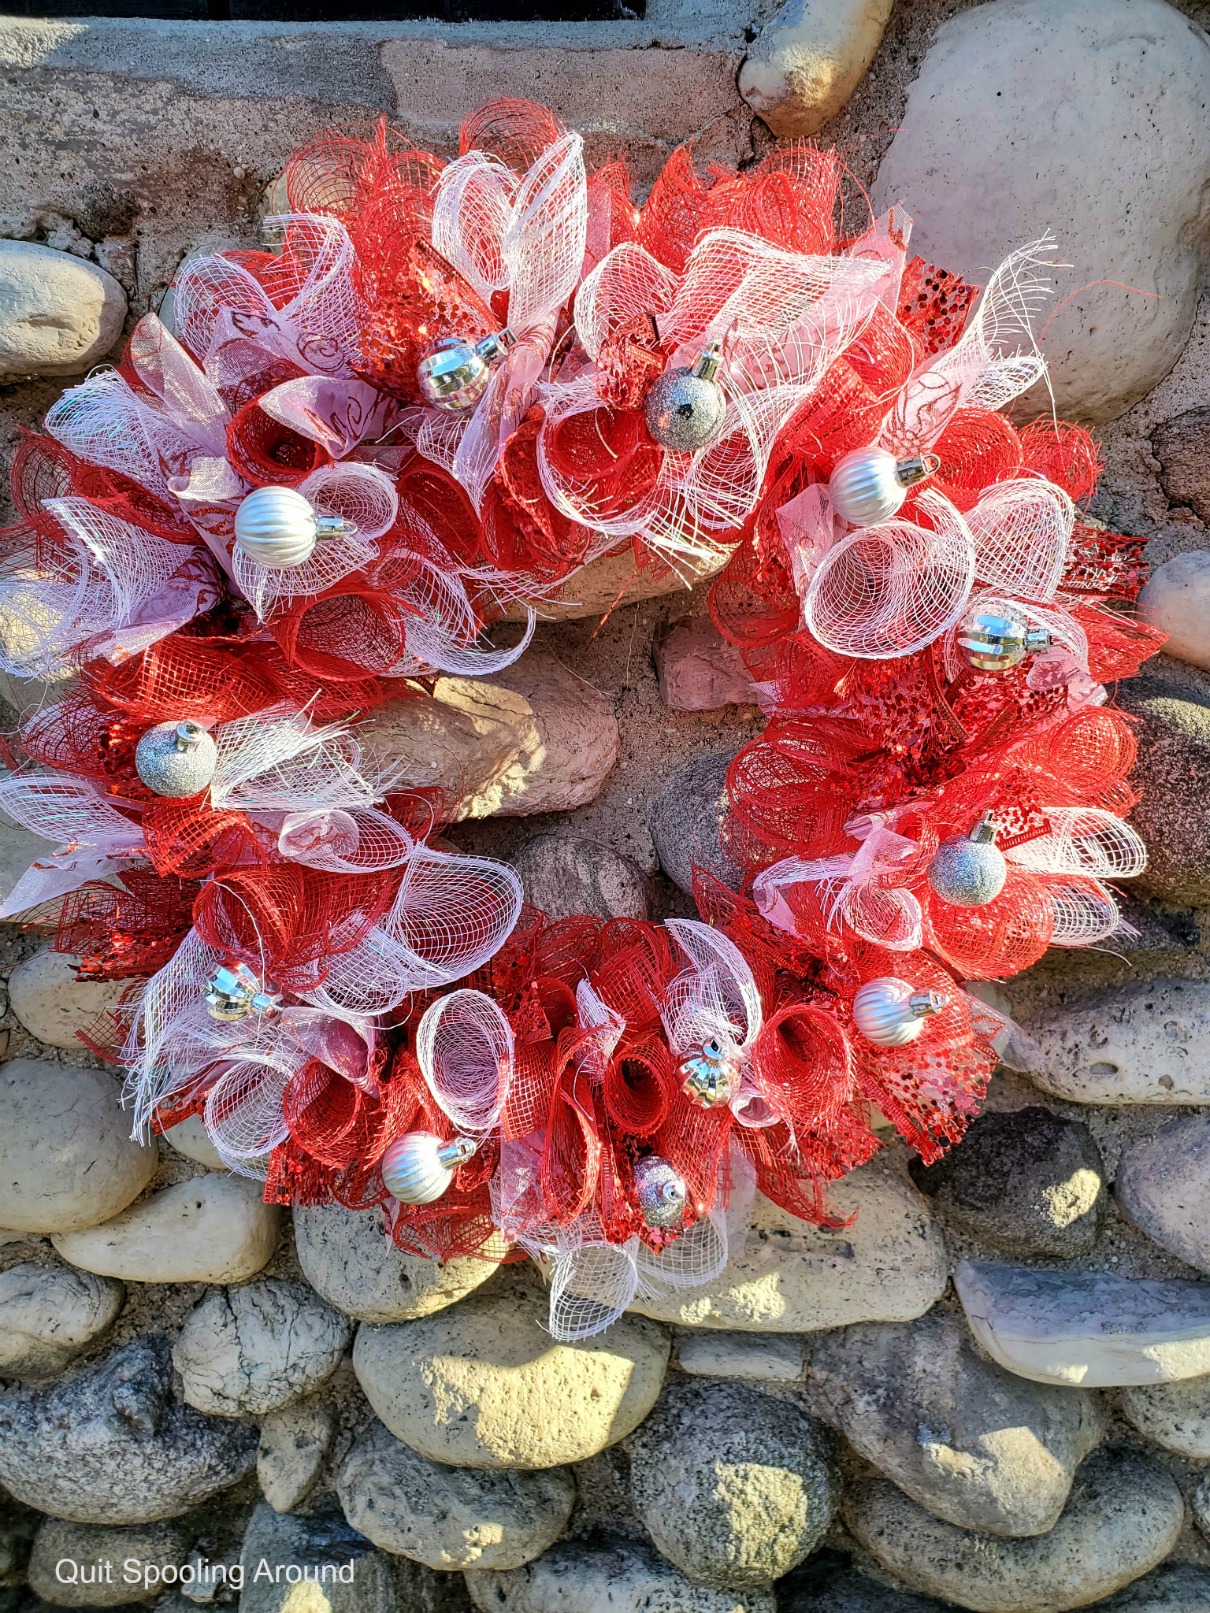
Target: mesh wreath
[[449, 388]]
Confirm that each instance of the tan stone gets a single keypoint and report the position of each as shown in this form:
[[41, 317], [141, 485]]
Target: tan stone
[[534, 738], [615, 580], [809, 59], [214, 1229], [53, 1004], [190, 1137], [698, 669], [58, 313], [1145, 1043], [889, 1266], [66, 1156], [485, 1385]]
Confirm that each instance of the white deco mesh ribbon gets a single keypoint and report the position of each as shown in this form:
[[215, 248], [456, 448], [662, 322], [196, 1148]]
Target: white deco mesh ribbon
[[113, 590], [1091, 843], [1021, 531], [464, 1046], [995, 360], [886, 591], [276, 761], [92, 836], [524, 235], [782, 319]]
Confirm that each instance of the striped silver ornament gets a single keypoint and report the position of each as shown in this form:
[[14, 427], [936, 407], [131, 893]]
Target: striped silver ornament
[[418, 1167], [278, 528], [890, 1013], [970, 870], [661, 1192], [994, 643], [870, 484], [176, 759]]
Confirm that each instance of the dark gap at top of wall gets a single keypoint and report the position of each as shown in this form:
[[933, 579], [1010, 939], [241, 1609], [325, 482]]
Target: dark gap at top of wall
[[335, 10]]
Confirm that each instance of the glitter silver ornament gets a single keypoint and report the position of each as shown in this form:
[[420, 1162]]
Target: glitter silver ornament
[[235, 992], [686, 408], [454, 374], [278, 528], [994, 643], [418, 1167], [890, 1013], [869, 485], [661, 1192], [710, 1075], [176, 759], [970, 871]]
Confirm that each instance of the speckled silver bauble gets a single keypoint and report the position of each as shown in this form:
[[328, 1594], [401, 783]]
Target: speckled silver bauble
[[890, 1013], [686, 408], [277, 527], [970, 871], [662, 1193], [418, 1167], [235, 992], [710, 1075], [993, 643], [176, 759], [454, 374], [870, 484]]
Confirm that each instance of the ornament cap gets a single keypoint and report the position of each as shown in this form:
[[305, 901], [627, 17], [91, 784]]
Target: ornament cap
[[189, 735], [984, 832], [710, 362], [924, 1004], [1037, 639], [457, 1151], [916, 468]]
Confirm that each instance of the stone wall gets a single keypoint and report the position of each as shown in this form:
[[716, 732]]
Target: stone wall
[[992, 1389]]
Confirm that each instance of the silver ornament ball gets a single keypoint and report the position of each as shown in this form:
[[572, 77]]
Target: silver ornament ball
[[454, 373], [686, 407], [991, 642], [710, 1075], [969, 871], [176, 759], [234, 993], [890, 1013], [418, 1167], [869, 485], [661, 1192]]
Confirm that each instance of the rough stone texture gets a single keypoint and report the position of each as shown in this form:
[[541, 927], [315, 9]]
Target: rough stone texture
[[1173, 773], [829, 1583], [486, 1385], [773, 1359], [614, 581], [1174, 1588], [1086, 1327], [112, 1560], [350, 1261], [1181, 446], [1138, 1043], [190, 1137], [323, 1541], [66, 1158], [57, 315], [1174, 1415], [113, 1446], [1163, 1185], [565, 876], [686, 821], [605, 1577], [888, 1266], [294, 1443], [531, 739], [52, 1004], [1010, 132], [1123, 1518], [1176, 599], [1027, 1180], [808, 60], [735, 1486], [49, 1315], [246, 1351], [698, 669], [214, 1229], [970, 1442], [450, 1517]]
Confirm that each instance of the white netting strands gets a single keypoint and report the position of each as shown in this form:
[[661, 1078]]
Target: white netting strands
[[716, 996], [344, 840], [1021, 531], [888, 590], [243, 1112], [464, 1046], [1083, 840], [627, 285], [1085, 913], [276, 761], [592, 1283], [453, 913]]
